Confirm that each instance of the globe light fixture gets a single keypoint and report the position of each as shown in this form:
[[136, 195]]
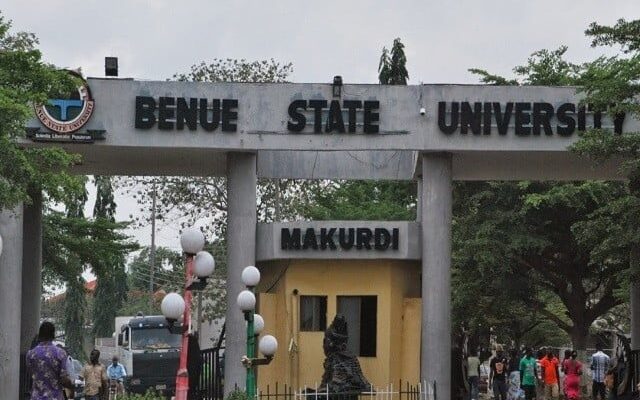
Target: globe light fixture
[[192, 240], [258, 324], [250, 276], [204, 264], [268, 346], [172, 306], [246, 300]]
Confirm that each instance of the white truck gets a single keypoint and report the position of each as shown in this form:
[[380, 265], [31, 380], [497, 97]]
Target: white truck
[[149, 352]]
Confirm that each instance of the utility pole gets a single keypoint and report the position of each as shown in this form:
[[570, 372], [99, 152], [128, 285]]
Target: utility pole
[[152, 253]]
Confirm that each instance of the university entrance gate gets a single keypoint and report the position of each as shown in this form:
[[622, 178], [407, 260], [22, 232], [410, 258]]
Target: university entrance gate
[[431, 133]]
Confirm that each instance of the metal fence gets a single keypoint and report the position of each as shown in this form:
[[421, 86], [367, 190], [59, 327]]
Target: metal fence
[[212, 376], [403, 391]]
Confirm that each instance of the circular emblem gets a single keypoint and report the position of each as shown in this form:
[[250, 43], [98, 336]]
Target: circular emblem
[[68, 114]]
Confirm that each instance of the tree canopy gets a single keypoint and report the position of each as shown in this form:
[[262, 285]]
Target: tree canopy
[[26, 80], [566, 238]]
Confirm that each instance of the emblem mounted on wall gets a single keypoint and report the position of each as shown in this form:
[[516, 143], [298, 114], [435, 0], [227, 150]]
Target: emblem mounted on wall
[[65, 116]]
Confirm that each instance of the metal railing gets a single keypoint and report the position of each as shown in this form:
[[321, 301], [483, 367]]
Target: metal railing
[[403, 391]]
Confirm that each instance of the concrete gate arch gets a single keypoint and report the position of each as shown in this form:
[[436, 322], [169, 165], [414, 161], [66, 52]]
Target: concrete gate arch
[[304, 131]]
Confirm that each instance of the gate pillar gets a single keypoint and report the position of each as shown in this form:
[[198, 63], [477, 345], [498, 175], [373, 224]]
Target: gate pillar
[[435, 216], [241, 252], [10, 298]]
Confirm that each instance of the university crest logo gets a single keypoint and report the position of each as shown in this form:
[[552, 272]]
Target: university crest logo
[[67, 114]]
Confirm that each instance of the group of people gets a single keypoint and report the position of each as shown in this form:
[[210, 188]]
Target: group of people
[[52, 372], [514, 377]]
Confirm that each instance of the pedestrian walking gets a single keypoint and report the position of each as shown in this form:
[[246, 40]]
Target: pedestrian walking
[[47, 364], [600, 363], [528, 373], [540, 355], [567, 356], [95, 377], [498, 374], [514, 391], [572, 369], [550, 375], [473, 374]]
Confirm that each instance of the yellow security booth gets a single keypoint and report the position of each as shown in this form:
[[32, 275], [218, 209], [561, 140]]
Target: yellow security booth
[[367, 271]]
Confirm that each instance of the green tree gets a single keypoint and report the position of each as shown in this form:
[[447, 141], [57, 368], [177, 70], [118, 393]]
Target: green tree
[[26, 80], [535, 232], [543, 68], [111, 289], [363, 200], [75, 301], [139, 268], [575, 283], [232, 70], [611, 84], [392, 68], [169, 276], [74, 316]]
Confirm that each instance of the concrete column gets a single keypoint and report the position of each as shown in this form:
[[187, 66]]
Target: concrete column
[[241, 252], [419, 201], [10, 297], [31, 271], [435, 360], [635, 314]]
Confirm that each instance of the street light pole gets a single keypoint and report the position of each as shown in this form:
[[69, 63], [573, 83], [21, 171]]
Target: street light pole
[[198, 264], [251, 347], [255, 324], [182, 379]]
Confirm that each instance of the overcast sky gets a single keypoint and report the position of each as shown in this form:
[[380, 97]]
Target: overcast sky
[[154, 39]]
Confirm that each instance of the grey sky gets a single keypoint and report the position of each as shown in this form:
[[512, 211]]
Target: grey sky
[[156, 38]]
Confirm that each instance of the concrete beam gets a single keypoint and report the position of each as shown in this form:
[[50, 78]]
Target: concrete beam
[[435, 360], [11, 230], [241, 252]]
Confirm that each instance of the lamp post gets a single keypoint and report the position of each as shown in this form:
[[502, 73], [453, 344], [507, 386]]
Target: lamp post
[[201, 264], [255, 324]]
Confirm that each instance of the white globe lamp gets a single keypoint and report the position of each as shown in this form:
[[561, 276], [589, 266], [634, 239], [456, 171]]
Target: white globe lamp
[[204, 264], [250, 276], [172, 306], [258, 324], [246, 300], [192, 241], [268, 346]]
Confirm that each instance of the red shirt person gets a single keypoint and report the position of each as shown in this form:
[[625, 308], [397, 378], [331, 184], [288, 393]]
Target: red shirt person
[[549, 365]]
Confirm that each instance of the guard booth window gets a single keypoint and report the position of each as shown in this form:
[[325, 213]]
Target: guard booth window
[[313, 313], [360, 312]]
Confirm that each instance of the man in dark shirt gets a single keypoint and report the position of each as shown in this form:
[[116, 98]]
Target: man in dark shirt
[[498, 374]]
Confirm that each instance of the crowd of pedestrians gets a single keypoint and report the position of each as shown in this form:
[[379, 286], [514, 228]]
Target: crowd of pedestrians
[[522, 376]]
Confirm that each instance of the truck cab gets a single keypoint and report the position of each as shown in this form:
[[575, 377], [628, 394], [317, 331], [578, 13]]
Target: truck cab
[[150, 353]]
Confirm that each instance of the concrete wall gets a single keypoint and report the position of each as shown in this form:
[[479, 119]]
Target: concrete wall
[[300, 354]]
